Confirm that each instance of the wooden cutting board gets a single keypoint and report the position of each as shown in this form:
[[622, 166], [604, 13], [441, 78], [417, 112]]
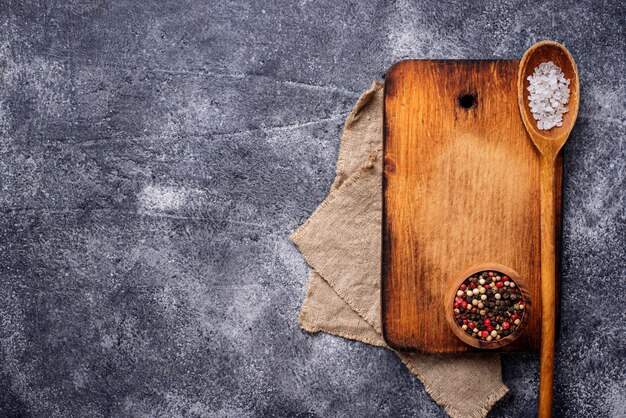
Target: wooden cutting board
[[460, 187]]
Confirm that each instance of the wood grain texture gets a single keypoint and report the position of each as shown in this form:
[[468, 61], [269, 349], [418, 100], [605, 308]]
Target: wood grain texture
[[461, 187]]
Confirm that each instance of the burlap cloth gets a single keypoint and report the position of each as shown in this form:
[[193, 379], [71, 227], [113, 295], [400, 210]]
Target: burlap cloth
[[341, 242]]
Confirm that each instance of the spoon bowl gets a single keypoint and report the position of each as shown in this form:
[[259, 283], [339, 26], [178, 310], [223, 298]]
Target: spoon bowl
[[549, 144], [548, 141]]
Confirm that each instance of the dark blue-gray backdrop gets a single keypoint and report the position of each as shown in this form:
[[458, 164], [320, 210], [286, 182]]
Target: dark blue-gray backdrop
[[155, 156]]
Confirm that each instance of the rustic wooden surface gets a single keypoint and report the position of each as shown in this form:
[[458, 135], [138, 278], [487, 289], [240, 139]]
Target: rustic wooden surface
[[461, 187]]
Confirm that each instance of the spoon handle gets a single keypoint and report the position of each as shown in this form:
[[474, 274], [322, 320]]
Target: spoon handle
[[548, 285]]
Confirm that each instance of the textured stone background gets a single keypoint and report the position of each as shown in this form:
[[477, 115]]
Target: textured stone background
[[154, 157]]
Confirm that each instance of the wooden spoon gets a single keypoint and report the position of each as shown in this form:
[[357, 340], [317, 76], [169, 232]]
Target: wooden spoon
[[549, 144]]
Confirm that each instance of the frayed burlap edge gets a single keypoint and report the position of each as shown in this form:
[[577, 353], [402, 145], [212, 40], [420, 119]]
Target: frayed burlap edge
[[359, 152]]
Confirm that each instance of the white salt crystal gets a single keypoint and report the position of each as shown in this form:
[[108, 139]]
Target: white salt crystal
[[549, 93]]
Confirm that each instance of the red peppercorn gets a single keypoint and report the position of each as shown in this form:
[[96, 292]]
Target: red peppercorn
[[494, 315]]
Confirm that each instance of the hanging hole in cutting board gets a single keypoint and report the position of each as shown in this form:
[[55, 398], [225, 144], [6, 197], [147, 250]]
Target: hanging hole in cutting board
[[468, 101]]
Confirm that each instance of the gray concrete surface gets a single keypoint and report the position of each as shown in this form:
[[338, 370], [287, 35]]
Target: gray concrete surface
[[154, 157]]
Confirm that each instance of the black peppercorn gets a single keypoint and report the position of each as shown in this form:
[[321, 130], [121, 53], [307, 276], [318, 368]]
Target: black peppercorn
[[488, 309]]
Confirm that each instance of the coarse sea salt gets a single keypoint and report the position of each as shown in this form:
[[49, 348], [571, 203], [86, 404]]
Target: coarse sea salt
[[549, 93]]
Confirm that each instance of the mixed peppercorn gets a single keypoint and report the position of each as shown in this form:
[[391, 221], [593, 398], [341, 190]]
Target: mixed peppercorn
[[489, 306]]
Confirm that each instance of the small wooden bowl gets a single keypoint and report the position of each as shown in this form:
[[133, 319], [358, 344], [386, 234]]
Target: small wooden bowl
[[451, 294]]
